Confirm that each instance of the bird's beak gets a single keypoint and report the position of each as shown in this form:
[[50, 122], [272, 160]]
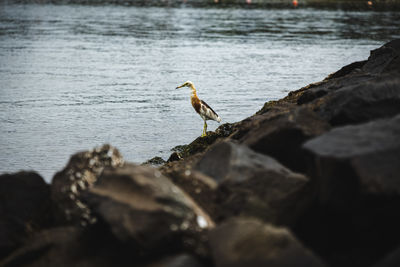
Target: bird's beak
[[179, 86]]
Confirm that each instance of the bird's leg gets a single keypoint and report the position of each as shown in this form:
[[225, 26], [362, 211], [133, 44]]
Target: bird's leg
[[204, 129]]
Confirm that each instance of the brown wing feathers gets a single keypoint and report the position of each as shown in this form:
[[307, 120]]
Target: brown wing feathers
[[205, 104]]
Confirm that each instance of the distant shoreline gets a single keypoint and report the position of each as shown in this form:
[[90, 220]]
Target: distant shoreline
[[328, 4]]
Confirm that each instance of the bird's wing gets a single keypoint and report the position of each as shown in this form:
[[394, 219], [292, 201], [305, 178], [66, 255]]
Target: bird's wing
[[213, 114]]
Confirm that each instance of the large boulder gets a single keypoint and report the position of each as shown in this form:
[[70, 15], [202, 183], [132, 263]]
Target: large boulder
[[81, 172], [24, 208], [249, 242], [253, 184], [145, 209], [356, 170], [281, 133], [354, 161], [377, 98]]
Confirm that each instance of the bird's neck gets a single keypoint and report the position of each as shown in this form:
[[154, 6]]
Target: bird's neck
[[194, 94]]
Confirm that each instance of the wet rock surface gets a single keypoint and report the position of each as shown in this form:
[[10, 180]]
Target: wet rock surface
[[309, 180]]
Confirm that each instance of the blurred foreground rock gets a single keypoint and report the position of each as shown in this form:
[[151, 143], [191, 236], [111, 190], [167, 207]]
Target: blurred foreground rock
[[81, 172], [144, 208], [312, 179], [24, 208], [249, 242]]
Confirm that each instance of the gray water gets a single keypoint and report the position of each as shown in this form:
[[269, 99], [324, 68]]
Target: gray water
[[73, 77]]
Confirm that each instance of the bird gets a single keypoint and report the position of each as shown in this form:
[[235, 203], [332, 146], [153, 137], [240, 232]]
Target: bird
[[201, 107]]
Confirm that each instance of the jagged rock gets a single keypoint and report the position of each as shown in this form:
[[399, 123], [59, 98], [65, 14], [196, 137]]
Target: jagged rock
[[199, 186], [385, 59], [378, 98], [179, 148], [253, 184], [142, 207], [80, 173], [321, 89], [352, 67], [356, 170], [200, 144], [24, 208], [174, 157], [250, 243], [281, 134], [356, 160], [156, 161]]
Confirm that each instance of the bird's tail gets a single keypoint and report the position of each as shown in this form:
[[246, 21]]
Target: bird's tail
[[218, 119]]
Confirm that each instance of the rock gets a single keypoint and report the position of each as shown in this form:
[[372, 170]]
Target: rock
[[352, 67], [80, 173], [143, 208], [200, 187], [179, 148], [174, 157], [156, 161], [24, 208], [253, 184], [377, 98], [248, 242], [356, 160], [385, 59], [281, 134], [356, 170], [326, 87], [200, 144]]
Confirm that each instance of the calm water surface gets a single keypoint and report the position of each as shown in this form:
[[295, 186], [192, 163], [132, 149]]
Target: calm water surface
[[73, 77]]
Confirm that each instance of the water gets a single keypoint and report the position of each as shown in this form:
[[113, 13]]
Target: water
[[73, 77]]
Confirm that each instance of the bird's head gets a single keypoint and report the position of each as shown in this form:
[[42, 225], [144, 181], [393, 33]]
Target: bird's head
[[186, 84]]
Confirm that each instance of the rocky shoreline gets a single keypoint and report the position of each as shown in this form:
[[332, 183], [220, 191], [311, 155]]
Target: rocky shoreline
[[312, 179]]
